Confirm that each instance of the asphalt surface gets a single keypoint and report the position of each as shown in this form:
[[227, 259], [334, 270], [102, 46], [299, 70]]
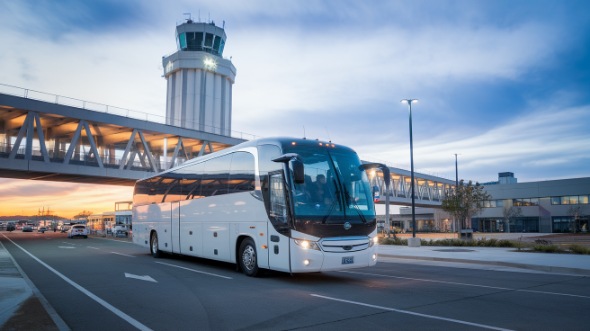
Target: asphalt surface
[[23, 307]]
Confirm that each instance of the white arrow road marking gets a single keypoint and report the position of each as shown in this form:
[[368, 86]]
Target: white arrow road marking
[[146, 277]]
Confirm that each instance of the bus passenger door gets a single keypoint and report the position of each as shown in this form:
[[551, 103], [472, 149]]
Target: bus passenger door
[[175, 227], [278, 239]]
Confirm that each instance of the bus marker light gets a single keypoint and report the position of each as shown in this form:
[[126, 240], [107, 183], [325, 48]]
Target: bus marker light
[[306, 262], [264, 247]]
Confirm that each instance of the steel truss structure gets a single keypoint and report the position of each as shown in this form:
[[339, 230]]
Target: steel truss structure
[[430, 190], [49, 141]]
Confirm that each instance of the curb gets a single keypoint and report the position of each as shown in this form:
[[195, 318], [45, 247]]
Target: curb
[[545, 268]]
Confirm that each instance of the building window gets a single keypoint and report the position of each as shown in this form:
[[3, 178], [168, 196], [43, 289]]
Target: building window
[[570, 200], [525, 202], [493, 203]]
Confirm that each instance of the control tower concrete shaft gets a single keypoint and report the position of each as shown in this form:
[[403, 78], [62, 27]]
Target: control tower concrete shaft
[[199, 91]]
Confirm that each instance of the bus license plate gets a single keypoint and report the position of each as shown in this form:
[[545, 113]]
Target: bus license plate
[[348, 260]]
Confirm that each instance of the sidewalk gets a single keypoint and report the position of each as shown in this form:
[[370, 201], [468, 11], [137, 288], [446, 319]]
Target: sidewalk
[[22, 306], [572, 264]]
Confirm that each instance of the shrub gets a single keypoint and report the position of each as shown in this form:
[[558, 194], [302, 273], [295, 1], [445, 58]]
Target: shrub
[[547, 248], [578, 249]]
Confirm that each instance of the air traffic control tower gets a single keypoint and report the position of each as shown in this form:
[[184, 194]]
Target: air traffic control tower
[[199, 91]]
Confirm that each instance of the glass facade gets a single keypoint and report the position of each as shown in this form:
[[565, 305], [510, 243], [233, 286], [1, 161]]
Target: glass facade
[[493, 203], [570, 200], [201, 41], [566, 224], [525, 202]]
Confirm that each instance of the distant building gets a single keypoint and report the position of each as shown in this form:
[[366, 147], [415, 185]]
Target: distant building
[[545, 206], [104, 222], [553, 206]]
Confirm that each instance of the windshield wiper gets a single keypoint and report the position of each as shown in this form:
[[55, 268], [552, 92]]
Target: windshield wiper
[[356, 206], [333, 205]]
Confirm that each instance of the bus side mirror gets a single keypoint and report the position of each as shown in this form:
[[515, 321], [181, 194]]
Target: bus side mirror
[[298, 171], [296, 165]]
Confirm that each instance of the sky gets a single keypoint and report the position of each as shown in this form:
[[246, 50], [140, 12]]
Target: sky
[[503, 84]]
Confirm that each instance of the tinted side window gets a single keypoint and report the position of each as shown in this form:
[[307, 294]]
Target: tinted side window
[[191, 180], [241, 175], [215, 176]]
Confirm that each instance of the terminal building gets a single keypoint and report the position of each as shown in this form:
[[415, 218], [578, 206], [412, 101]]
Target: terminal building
[[552, 206]]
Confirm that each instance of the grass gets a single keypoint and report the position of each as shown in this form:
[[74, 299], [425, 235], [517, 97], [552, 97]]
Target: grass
[[535, 247]]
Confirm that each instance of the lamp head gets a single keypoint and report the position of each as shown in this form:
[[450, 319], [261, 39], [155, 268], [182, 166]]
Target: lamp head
[[409, 101]]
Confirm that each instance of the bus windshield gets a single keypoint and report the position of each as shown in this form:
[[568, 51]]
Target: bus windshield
[[335, 190]]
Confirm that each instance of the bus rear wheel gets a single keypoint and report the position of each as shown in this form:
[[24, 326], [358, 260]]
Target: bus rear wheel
[[248, 258], [154, 246]]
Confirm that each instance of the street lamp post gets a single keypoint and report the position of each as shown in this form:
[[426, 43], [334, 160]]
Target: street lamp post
[[456, 188], [414, 242]]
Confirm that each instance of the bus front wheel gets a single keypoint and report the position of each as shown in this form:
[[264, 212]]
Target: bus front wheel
[[248, 261], [154, 246]]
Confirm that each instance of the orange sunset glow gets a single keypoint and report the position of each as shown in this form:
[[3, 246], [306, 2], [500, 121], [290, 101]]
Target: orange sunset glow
[[28, 197]]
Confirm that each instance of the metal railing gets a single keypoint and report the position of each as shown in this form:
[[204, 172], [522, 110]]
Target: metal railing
[[103, 108]]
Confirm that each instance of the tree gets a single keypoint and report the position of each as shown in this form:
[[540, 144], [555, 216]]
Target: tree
[[576, 213], [464, 202], [510, 213]]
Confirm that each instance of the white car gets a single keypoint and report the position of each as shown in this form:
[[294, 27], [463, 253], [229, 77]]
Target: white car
[[78, 230]]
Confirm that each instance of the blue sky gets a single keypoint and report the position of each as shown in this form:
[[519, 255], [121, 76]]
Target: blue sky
[[504, 84]]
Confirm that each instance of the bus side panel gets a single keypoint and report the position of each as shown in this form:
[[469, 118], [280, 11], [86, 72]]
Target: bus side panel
[[141, 226], [175, 228], [217, 222], [250, 220], [153, 217], [162, 217], [191, 236]]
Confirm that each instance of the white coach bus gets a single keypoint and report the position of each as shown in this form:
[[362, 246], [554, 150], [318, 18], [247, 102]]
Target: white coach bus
[[292, 205]]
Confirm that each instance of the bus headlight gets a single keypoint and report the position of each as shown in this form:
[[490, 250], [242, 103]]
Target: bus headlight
[[306, 244], [373, 241]]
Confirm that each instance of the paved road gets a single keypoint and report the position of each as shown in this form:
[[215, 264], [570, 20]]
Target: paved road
[[98, 284]]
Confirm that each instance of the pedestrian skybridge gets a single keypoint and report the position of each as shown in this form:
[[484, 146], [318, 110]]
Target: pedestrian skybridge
[[429, 190], [55, 138], [48, 137]]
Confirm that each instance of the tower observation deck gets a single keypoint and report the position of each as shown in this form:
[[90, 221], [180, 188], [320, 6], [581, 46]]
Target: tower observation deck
[[199, 79]]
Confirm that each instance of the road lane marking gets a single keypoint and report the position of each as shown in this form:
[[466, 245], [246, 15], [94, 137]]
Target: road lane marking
[[122, 254], [472, 285], [66, 247], [91, 295], [145, 278], [93, 247], [412, 313], [193, 270]]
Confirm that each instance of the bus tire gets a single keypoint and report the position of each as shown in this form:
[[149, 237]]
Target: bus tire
[[154, 246], [248, 258]]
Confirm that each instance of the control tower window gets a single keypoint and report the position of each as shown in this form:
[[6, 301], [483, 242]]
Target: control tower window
[[209, 40], [221, 46], [194, 41], [182, 41], [216, 43]]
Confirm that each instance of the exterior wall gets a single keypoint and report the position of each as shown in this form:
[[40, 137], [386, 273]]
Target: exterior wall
[[199, 97], [543, 210]]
